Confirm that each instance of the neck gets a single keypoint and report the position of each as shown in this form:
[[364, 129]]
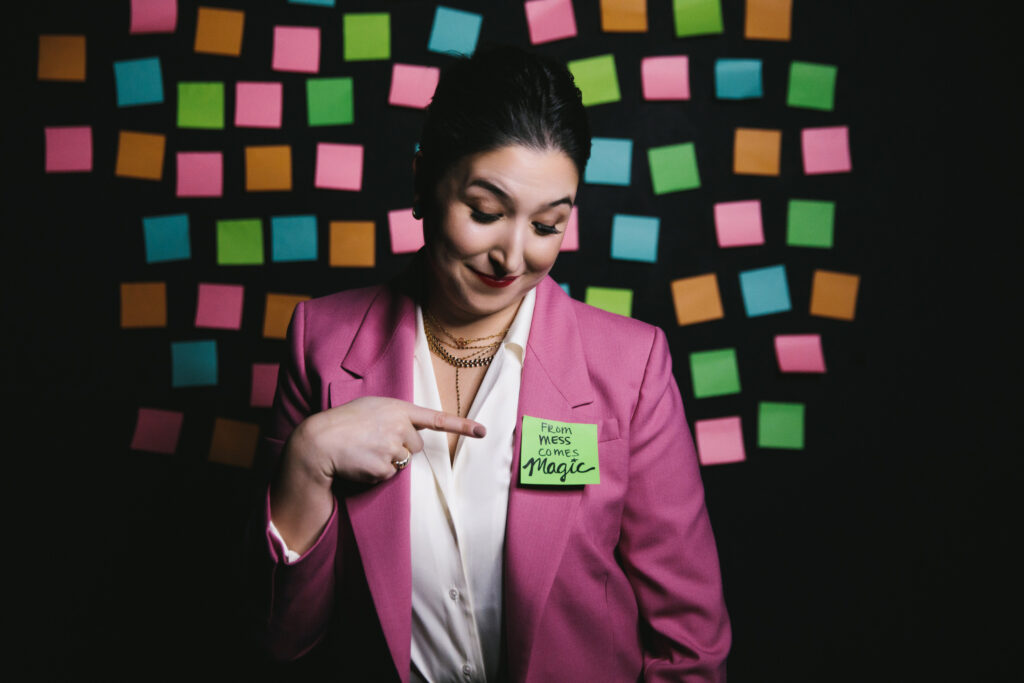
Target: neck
[[470, 327]]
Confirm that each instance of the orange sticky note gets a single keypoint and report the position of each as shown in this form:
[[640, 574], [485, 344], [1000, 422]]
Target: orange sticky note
[[268, 168], [61, 58], [219, 31], [234, 442], [353, 244], [143, 304], [624, 16], [279, 313], [756, 151], [768, 19], [140, 155], [697, 299], [834, 295]]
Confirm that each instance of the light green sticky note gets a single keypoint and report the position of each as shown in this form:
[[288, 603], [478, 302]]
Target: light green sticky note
[[673, 168], [366, 36], [612, 299], [200, 104], [596, 78], [780, 425], [812, 86], [556, 453], [240, 242], [810, 223], [697, 17], [329, 101], [715, 373]]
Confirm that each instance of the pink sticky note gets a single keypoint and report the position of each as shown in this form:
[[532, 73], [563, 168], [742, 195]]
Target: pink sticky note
[[219, 306], [200, 174], [799, 353], [666, 78], [68, 149], [264, 384], [720, 441], [258, 105], [153, 16], [157, 430], [406, 231], [738, 224], [413, 86], [550, 20], [339, 167], [826, 150], [571, 241], [296, 48]]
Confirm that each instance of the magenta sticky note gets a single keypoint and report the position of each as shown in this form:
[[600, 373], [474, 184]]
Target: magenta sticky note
[[264, 383], [738, 224], [219, 306], [68, 149], [571, 241], [157, 430], [412, 86], [153, 16], [296, 48], [826, 150], [549, 20], [339, 166], [406, 231], [200, 174], [799, 353], [258, 104], [666, 78], [720, 441]]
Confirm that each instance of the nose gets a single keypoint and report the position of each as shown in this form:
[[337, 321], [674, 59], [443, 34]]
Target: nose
[[507, 253]]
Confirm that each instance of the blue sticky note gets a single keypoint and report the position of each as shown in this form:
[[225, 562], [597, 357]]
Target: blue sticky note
[[765, 290], [454, 31], [166, 238], [635, 238], [738, 79], [318, 3], [611, 161], [138, 81], [293, 238], [565, 287], [194, 363]]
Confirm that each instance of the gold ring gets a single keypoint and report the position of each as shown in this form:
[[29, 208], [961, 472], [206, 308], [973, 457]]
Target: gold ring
[[402, 464]]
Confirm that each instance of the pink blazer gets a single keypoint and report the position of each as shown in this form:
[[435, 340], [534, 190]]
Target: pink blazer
[[617, 581]]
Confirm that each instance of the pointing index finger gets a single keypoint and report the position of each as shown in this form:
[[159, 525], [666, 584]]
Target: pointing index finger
[[425, 418]]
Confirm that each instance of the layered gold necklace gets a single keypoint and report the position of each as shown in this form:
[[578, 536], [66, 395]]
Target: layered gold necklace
[[480, 355]]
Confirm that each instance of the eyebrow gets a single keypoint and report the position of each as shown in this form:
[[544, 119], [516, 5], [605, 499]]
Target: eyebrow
[[501, 194]]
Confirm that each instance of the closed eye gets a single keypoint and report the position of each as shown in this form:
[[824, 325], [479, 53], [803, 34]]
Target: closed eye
[[481, 217], [545, 229]]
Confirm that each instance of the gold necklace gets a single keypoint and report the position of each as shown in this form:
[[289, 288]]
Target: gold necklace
[[474, 360]]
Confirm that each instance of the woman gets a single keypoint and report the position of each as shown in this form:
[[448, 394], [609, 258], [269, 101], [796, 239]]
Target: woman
[[401, 522]]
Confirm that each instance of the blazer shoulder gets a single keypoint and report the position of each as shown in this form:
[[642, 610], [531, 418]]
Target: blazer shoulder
[[335, 318], [618, 329]]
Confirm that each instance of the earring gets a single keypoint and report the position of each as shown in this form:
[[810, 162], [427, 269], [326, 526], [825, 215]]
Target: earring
[[416, 213]]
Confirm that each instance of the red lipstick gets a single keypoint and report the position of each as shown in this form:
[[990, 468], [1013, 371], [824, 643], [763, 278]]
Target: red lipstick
[[495, 282]]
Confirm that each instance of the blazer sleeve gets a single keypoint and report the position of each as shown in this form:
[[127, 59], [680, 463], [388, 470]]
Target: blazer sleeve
[[666, 546]]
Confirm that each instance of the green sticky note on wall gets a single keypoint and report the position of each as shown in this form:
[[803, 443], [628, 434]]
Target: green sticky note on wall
[[715, 373], [596, 78], [673, 168], [366, 36], [240, 242], [553, 453], [611, 299], [810, 223], [780, 425], [200, 105], [812, 86], [329, 101], [697, 17]]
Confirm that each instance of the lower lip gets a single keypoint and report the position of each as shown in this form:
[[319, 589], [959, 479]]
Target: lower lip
[[491, 282]]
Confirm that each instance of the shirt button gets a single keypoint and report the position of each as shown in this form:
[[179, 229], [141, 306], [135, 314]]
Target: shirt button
[[454, 595], [467, 670]]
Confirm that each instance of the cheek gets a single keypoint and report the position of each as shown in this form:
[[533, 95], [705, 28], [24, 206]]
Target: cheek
[[541, 255]]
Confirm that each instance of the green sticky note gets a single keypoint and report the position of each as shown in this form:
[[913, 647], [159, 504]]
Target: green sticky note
[[810, 223], [715, 373], [812, 86], [366, 36], [611, 299], [780, 425], [673, 168], [200, 104], [329, 101], [555, 453], [697, 17], [240, 242], [596, 78]]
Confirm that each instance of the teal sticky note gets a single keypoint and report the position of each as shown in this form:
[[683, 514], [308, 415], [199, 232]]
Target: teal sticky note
[[697, 17], [765, 290], [201, 104], [454, 31], [318, 3], [611, 299], [738, 79], [366, 36], [611, 162], [293, 238], [715, 373], [166, 238], [673, 168], [596, 78], [330, 101], [810, 223], [138, 81], [635, 238], [565, 287], [780, 425], [194, 363], [556, 453], [240, 242], [812, 86]]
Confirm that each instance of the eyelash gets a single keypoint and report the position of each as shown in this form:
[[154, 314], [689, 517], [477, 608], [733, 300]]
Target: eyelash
[[487, 218]]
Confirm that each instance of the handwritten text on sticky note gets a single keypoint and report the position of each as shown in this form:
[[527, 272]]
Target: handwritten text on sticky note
[[558, 453]]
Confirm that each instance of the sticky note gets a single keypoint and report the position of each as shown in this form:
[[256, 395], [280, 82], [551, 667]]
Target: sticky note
[[596, 78], [329, 101], [353, 244], [799, 353], [697, 299], [780, 425], [296, 48], [268, 168], [454, 31], [697, 17], [153, 16], [765, 291], [366, 36], [219, 306], [405, 231], [611, 161], [194, 363], [571, 238], [200, 174], [140, 155], [756, 151], [157, 431], [68, 149], [339, 166], [166, 238], [810, 223], [738, 224], [635, 238], [278, 314], [413, 86], [318, 3], [143, 304], [258, 105], [565, 287], [556, 453], [826, 150], [201, 104], [768, 19], [834, 295], [549, 20], [738, 79], [234, 442], [812, 86], [240, 242], [612, 299], [219, 31], [715, 373], [138, 81], [293, 238], [673, 168], [264, 384], [61, 58], [624, 16], [666, 78], [720, 441]]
